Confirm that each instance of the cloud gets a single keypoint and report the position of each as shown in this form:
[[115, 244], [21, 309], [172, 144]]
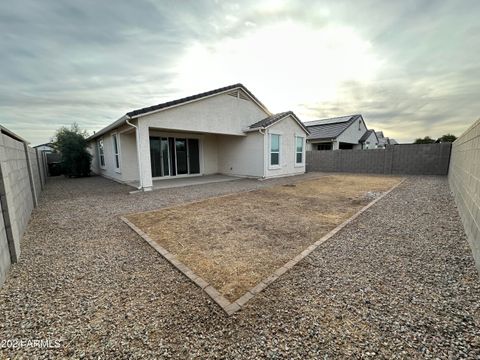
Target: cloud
[[409, 67]]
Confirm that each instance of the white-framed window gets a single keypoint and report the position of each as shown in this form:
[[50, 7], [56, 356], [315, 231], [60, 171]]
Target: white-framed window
[[299, 150], [101, 153], [116, 151], [275, 140]]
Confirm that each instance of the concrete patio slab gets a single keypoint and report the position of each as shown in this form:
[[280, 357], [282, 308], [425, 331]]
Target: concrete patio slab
[[187, 181]]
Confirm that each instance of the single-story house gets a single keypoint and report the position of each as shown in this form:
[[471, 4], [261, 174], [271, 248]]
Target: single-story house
[[384, 141], [222, 131], [337, 133], [369, 140]]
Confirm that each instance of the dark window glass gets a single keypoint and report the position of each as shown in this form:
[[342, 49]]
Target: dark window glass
[[299, 158], [181, 152], [324, 147], [193, 156], [171, 143], [274, 159], [155, 160], [164, 155]]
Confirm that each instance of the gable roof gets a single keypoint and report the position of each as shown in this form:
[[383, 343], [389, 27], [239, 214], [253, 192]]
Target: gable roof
[[330, 128], [367, 135], [149, 109], [163, 106], [273, 119]]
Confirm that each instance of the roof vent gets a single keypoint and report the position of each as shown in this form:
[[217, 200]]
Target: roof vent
[[239, 95]]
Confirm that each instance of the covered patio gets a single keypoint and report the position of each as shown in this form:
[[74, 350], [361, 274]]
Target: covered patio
[[186, 181]]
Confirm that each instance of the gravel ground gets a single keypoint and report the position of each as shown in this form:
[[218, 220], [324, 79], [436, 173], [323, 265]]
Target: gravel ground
[[399, 282]]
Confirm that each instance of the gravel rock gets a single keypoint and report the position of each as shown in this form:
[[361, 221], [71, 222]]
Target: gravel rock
[[398, 282]]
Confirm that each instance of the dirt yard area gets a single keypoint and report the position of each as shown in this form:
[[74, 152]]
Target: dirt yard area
[[235, 241]]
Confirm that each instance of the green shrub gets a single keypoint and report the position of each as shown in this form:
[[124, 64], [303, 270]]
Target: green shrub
[[72, 144]]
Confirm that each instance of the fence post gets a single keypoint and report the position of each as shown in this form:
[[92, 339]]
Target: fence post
[[30, 175], [6, 218], [39, 169], [388, 164]]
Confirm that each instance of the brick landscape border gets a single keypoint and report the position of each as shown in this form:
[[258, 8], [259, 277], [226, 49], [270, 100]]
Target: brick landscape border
[[232, 307]]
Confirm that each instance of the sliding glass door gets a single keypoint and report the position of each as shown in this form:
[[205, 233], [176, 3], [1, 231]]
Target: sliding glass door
[[193, 156], [165, 157], [181, 151], [171, 156]]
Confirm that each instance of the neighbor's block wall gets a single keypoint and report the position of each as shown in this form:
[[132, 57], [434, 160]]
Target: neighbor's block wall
[[17, 185], [464, 180], [16, 196], [412, 159], [37, 180], [4, 250]]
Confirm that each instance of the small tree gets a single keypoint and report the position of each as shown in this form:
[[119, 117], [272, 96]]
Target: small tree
[[446, 138], [72, 144], [425, 140]]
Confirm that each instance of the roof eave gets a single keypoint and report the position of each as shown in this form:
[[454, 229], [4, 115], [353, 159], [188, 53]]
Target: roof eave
[[110, 127], [240, 86]]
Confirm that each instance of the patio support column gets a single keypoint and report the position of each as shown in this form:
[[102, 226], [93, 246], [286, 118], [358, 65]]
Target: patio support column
[[143, 149]]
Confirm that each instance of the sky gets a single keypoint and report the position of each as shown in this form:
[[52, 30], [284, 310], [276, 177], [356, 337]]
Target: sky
[[411, 68]]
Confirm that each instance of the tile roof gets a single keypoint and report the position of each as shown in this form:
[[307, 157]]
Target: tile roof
[[329, 128], [180, 101], [272, 119], [335, 120], [366, 135], [193, 97]]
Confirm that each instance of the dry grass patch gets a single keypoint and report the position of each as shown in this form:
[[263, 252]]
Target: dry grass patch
[[234, 242]]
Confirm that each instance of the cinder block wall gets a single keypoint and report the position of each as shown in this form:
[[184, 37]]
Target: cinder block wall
[[37, 179], [464, 180], [4, 250], [413, 159], [19, 175], [17, 185]]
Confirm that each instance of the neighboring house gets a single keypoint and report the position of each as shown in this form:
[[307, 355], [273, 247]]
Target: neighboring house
[[47, 147], [384, 141], [343, 132], [369, 140], [51, 159], [223, 131]]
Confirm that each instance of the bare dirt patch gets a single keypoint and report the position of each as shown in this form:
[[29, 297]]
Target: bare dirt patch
[[233, 242]]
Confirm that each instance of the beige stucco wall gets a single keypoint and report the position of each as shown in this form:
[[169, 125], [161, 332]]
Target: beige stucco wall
[[220, 114], [128, 155], [288, 129], [241, 155], [209, 154], [109, 170], [219, 122], [464, 180]]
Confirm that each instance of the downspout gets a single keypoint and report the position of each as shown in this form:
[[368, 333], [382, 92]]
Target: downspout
[[137, 136], [264, 162]]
